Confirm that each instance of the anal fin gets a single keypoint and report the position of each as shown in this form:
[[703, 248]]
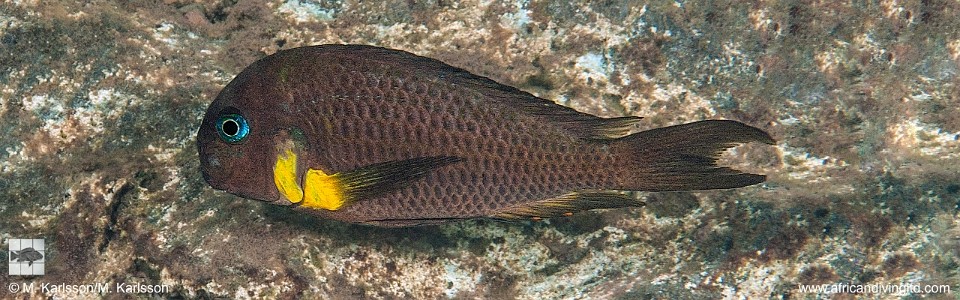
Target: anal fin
[[397, 223], [566, 205]]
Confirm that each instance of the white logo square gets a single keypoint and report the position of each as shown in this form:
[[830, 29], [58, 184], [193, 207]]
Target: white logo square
[[27, 256]]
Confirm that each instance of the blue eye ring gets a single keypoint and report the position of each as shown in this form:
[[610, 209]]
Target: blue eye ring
[[233, 128]]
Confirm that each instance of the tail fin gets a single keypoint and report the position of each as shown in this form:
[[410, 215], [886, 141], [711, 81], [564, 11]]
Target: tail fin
[[684, 157]]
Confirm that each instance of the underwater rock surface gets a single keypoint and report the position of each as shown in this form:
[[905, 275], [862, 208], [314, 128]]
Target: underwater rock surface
[[99, 105]]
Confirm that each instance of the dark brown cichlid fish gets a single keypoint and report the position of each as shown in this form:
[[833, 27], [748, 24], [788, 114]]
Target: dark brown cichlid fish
[[29, 255], [384, 137]]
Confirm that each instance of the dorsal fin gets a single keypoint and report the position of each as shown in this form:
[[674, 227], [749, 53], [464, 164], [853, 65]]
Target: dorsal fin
[[580, 124], [583, 125]]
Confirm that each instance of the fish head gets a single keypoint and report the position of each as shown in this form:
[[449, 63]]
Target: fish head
[[236, 141]]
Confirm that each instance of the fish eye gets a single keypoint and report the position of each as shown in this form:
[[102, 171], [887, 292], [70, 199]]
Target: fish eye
[[232, 128]]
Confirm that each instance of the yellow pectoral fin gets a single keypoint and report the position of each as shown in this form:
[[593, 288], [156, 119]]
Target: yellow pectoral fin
[[323, 191], [320, 191], [285, 176], [333, 192]]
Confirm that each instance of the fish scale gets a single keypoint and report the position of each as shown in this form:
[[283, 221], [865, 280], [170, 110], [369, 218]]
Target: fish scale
[[442, 127], [384, 137]]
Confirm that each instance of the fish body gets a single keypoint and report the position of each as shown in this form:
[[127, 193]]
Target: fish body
[[384, 137], [29, 255]]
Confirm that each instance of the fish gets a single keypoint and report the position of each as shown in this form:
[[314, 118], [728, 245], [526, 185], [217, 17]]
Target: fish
[[383, 137], [29, 255]]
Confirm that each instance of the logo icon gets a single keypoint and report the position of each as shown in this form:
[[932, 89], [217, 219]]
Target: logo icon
[[26, 256]]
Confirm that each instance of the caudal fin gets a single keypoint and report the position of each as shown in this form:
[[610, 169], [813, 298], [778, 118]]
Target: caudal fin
[[684, 157]]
